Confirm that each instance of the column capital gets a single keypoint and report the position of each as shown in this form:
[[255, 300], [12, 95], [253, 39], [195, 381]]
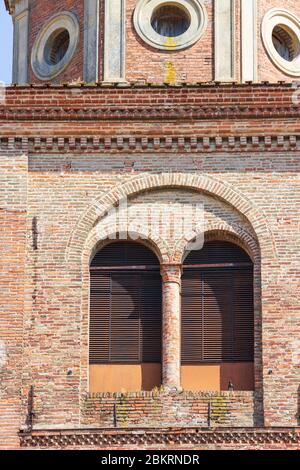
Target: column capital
[[171, 273]]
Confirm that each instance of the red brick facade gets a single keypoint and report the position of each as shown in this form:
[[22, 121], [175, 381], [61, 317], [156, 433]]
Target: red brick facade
[[68, 153]]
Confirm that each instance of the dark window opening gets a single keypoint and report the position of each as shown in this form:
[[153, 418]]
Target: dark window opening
[[170, 21], [57, 46], [283, 43]]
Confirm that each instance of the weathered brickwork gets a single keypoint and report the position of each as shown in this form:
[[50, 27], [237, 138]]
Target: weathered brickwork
[[68, 153], [165, 439], [251, 194], [13, 178], [172, 410]]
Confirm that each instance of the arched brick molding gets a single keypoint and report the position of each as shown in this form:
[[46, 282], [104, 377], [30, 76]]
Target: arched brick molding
[[103, 233], [204, 183], [222, 231]]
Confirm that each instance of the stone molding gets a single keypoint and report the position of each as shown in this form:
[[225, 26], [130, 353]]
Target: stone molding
[[174, 437], [286, 19], [162, 144], [249, 43], [91, 41], [142, 23], [114, 40], [224, 41], [64, 20]]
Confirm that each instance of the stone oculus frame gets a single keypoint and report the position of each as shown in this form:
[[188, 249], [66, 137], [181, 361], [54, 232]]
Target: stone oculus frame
[[60, 21], [289, 23], [194, 9]]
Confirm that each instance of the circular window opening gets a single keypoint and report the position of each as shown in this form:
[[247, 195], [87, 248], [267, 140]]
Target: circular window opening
[[285, 43], [57, 46], [170, 21]]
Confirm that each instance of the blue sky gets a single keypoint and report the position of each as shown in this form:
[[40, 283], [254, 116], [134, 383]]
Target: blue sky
[[6, 39]]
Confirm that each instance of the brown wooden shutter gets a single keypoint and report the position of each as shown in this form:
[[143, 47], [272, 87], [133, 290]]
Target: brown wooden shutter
[[125, 310], [99, 317], [217, 306], [125, 318], [244, 315], [151, 317], [191, 318]]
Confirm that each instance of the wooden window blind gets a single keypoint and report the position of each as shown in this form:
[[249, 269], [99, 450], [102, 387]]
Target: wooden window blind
[[125, 306], [217, 306]]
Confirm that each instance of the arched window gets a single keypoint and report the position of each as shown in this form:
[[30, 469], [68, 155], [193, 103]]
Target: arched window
[[125, 305], [217, 307]]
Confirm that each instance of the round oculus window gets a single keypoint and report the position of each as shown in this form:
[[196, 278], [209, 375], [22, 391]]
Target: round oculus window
[[170, 21], [55, 46], [281, 38], [170, 25], [284, 42]]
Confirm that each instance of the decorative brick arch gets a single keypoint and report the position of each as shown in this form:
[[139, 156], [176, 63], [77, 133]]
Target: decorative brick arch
[[101, 235], [222, 231], [200, 183]]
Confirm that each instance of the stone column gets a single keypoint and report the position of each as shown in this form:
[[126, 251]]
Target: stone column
[[224, 40], [21, 42], [171, 356], [91, 41], [114, 40]]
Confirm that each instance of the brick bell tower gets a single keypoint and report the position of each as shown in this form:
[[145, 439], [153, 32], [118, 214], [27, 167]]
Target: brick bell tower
[[113, 341]]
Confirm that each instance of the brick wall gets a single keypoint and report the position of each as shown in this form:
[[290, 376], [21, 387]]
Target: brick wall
[[194, 64], [13, 181], [250, 182], [186, 409]]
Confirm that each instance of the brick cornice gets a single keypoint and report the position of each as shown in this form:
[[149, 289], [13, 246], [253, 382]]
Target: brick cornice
[[165, 144], [150, 103], [109, 438]]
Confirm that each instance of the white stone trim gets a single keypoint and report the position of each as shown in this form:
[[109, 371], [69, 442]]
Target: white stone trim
[[224, 40], [114, 41], [21, 42], [142, 23], [91, 41], [276, 17], [248, 40], [40, 67]]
